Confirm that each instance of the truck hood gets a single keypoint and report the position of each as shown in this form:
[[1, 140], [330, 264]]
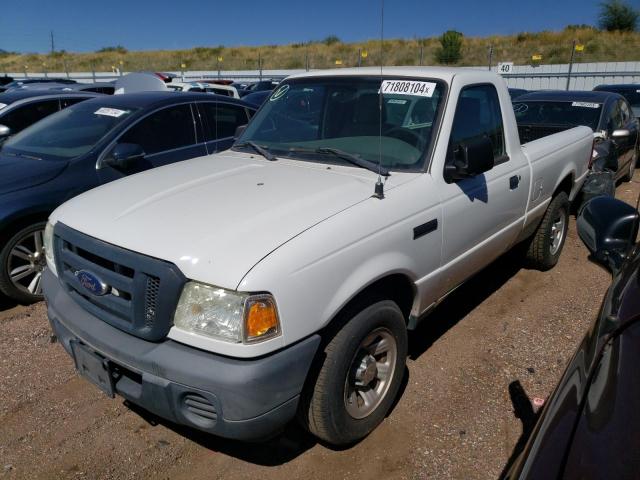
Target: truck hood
[[215, 217], [17, 173]]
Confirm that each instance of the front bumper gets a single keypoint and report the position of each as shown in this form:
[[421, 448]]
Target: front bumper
[[247, 399]]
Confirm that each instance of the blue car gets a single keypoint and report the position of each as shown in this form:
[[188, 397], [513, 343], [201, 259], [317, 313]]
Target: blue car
[[87, 145], [20, 109]]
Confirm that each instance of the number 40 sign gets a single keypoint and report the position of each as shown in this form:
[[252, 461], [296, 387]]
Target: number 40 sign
[[505, 67]]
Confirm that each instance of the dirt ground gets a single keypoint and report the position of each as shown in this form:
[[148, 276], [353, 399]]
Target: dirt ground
[[453, 419]]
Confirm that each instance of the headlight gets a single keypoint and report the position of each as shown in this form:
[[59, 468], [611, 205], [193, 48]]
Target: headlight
[[48, 248], [226, 315]]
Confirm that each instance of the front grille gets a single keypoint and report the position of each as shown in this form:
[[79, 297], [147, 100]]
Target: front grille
[[142, 291], [151, 300]]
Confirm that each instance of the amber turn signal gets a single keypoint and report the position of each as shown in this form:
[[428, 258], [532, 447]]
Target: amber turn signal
[[262, 319]]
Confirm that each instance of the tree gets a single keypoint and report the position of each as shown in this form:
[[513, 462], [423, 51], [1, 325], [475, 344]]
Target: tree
[[451, 49], [617, 15]]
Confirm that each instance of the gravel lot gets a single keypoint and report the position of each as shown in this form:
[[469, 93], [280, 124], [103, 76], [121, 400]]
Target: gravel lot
[[454, 418]]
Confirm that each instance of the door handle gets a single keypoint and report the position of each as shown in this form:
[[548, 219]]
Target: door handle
[[514, 182]]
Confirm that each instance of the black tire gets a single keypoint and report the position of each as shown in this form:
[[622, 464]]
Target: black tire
[[7, 286], [541, 253], [323, 409]]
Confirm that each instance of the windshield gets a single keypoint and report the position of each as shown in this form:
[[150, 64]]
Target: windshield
[[305, 117], [68, 133], [558, 113]]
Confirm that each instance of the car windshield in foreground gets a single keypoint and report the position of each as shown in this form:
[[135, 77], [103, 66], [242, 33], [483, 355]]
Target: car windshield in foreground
[[558, 113], [67, 134], [306, 118]]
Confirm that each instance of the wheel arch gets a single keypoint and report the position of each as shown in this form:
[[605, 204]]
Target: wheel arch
[[396, 286]]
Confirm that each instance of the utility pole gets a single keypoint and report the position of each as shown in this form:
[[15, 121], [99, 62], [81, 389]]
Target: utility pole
[[573, 51], [53, 45], [421, 54]]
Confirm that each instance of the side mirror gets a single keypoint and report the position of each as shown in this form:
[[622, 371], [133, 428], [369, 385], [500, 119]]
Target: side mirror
[[608, 227], [621, 133], [470, 159], [5, 132], [124, 156], [239, 131]]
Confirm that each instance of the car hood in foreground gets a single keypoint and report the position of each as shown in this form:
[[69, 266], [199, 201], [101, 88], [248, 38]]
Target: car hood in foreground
[[18, 173], [215, 217]]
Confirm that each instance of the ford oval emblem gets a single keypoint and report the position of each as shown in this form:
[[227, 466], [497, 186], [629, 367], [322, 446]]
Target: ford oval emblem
[[92, 283]]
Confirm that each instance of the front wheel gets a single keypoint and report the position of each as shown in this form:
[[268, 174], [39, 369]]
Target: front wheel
[[358, 377], [23, 261], [547, 242]]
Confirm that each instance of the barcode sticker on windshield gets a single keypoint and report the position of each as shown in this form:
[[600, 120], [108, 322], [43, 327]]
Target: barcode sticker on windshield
[[408, 87], [585, 104], [110, 112]]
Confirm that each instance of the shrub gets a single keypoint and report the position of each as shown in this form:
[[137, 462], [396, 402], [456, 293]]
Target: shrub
[[330, 40], [451, 48], [617, 15], [116, 49]]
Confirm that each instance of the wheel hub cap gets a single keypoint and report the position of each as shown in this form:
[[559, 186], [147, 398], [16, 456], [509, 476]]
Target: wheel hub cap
[[367, 371], [371, 372], [26, 262]]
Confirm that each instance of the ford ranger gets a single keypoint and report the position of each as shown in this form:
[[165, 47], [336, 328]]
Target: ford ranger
[[234, 292]]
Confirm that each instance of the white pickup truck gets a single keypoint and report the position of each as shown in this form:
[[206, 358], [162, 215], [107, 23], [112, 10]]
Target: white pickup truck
[[234, 291]]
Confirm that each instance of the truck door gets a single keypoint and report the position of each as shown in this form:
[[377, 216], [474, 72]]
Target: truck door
[[484, 214]]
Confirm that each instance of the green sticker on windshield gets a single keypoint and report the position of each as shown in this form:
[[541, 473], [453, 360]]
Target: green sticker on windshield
[[279, 93]]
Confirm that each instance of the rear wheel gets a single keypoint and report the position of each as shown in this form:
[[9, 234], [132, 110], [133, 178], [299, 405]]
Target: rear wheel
[[359, 376], [547, 242], [23, 261]]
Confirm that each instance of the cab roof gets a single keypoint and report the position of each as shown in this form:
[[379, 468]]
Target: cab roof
[[438, 73]]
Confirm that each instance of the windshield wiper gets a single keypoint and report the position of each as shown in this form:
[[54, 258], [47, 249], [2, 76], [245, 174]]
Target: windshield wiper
[[355, 160], [261, 150]]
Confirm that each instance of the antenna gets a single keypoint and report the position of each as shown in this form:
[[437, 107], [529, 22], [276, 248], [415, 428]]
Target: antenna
[[379, 188]]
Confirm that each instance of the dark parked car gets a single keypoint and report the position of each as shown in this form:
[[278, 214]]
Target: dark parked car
[[608, 114], [27, 81], [21, 108], [259, 86], [89, 144], [517, 92], [257, 98], [589, 425], [629, 91], [106, 88]]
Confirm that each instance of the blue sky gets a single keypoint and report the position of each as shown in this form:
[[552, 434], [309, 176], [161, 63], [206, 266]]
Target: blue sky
[[88, 25]]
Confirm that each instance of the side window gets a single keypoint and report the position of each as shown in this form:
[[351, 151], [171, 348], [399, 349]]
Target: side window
[[478, 115], [222, 119], [626, 113], [67, 102], [615, 118], [26, 115], [163, 130]]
